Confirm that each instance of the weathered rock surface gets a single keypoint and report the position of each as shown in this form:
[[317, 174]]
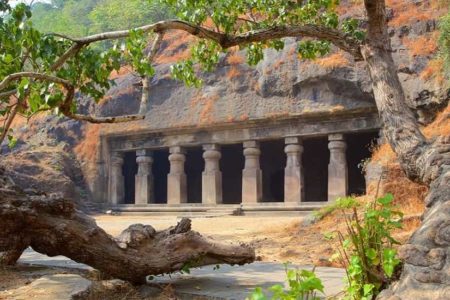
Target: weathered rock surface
[[58, 286]]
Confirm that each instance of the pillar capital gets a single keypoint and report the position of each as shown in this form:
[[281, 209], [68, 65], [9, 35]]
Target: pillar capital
[[215, 147], [144, 160], [251, 144], [249, 152], [144, 152], [336, 137], [176, 150], [293, 149], [293, 140], [117, 158]]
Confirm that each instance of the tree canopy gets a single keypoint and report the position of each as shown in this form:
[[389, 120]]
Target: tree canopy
[[78, 18]]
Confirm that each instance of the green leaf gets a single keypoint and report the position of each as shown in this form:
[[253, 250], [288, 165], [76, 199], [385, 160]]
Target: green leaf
[[371, 253], [387, 199], [12, 141], [258, 294]]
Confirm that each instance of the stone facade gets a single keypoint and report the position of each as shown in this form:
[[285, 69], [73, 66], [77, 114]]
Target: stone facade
[[291, 133]]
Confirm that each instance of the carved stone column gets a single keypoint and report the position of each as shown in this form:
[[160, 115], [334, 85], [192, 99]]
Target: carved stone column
[[252, 174], [337, 168], [293, 173], [176, 179], [99, 185], [117, 184], [211, 176], [144, 192]]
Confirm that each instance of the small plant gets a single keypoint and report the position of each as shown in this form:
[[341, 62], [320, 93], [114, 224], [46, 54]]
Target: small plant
[[367, 249], [303, 285], [341, 203]]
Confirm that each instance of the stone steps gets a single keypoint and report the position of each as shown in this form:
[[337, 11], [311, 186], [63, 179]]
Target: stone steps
[[209, 211]]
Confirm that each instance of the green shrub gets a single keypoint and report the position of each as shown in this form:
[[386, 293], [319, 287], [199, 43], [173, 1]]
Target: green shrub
[[366, 249], [303, 285]]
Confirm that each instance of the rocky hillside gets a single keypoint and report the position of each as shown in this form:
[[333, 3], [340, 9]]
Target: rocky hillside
[[62, 151]]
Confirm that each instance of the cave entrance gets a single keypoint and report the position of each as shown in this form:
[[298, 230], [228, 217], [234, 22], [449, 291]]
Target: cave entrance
[[194, 167], [315, 165], [129, 171], [273, 162], [231, 165], [358, 150], [160, 169]]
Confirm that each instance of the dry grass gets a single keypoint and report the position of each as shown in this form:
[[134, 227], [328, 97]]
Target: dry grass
[[277, 64], [124, 70], [177, 48], [333, 61], [206, 103], [244, 117], [406, 12], [440, 126], [206, 114], [235, 58], [233, 72], [434, 71], [87, 149], [422, 45], [408, 195]]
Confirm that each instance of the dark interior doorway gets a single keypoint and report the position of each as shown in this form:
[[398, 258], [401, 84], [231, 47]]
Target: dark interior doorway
[[231, 164], [129, 170], [273, 162], [358, 150], [315, 168], [194, 167], [160, 169]]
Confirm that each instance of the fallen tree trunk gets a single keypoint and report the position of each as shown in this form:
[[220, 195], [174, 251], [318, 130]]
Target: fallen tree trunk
[[52, 226]]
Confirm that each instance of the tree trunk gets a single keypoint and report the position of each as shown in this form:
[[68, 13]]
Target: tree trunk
[[426, 273], [52, 226]]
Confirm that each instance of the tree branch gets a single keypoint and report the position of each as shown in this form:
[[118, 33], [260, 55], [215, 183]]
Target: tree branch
[[336, 37], [145, 82], [66, 106]]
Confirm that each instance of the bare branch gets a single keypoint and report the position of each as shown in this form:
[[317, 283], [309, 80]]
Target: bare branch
[[145, 82], [66, 106], [8, 122], [34, 75], [73, 50]]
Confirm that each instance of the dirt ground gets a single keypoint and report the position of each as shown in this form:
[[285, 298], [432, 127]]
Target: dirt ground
[[276, 239]]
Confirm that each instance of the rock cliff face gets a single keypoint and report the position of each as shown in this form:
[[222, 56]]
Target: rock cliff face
[[281, 86]]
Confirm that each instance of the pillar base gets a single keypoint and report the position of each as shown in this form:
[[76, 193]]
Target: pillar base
[[144, 190], [176, 189], [251, 186], [212, 187]]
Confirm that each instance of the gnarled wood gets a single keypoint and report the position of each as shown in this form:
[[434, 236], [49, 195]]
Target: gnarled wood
[[426, 255], [52, 226]]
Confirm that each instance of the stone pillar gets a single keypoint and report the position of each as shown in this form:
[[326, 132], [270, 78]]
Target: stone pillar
[[211, 177], [293, 173], [176, 179], [144, 192], [252, 174], [117, 184], [337, 168]]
